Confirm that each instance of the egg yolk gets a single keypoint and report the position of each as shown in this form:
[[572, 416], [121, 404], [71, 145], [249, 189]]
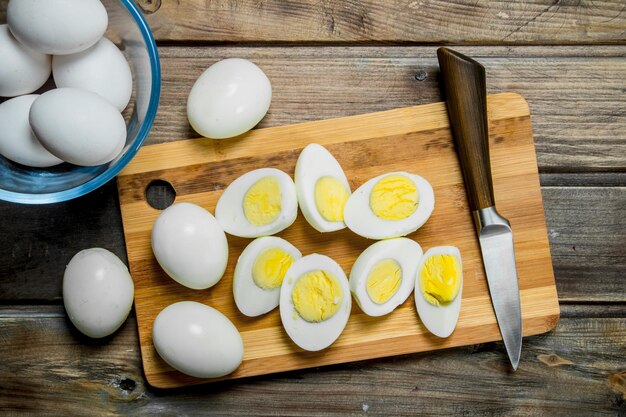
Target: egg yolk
[[383, 280], [330, 198], [270, 267], [440, 279], [262, 202], [316, 296], [394, 197]]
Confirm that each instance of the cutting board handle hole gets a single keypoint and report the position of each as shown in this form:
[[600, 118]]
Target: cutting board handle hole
[[160, 194]]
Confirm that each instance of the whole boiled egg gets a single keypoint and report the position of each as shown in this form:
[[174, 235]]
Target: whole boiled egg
[[228, 99], [315, 302], [97, 292], [78, 126], [17, 141], [439, 289], [259, 274], [322, 188], [259, 203], [22, 70], [101, 69], [190, 245], [390, 205], [197, 340], [57, 27], [383, 276]]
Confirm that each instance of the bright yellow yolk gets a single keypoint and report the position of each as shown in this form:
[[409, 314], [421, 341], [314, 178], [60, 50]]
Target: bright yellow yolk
[[270, 267], [384, 280], [440, 279], [262, 202], [394, 197], [330, 198], [316, 296]]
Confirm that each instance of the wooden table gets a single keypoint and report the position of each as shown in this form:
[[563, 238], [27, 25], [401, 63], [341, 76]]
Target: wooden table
[[334, 58]]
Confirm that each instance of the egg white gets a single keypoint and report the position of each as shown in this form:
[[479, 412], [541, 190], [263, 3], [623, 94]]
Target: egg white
[[406, 252], [439, 320], [316, 162], [313, 336], [360, 218], [251, 299], [229, 210], [190, 246]]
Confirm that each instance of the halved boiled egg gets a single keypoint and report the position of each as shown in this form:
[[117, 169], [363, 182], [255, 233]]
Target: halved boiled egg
[[259, 203], [315, 302], [259, 274], [322, 188], [383, 276], [390, 205], [439, 288]]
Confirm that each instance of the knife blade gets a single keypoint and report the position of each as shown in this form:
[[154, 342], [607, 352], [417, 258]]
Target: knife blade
[[466, 100]]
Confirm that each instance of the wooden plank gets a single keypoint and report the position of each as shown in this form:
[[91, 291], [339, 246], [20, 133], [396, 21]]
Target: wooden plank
[[579, 243], [395, 21], [576, 95], [395, 140], [575, 370]]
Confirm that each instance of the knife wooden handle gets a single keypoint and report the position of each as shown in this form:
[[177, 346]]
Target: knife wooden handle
[[466, 96]]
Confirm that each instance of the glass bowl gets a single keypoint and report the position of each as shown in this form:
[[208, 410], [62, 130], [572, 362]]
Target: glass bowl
[[130, 32]]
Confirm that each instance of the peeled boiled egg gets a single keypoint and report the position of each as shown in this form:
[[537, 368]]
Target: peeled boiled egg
[[22, 70], [78, 126], [390, 205], [322, 188], [17, 141], [228, 99], [97, 292], [259, 274], [383, 276], [197, 340], [439, 288], [57, 27], [190, 245], [101, 69], [259, 203], [315, 302]]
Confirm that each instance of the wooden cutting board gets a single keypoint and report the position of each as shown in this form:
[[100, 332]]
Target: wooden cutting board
[[414, 139]]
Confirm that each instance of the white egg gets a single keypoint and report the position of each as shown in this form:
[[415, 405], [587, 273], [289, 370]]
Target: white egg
[[17, 141], [101, 69], [259, 274], [318, 334], [401, 214], [197, 340], [22, 70], [57, 27], [440, 319], [78, 126], [322, 188], [259, 203], [383, 276], [190, 245], [97, 292], [228, 99]]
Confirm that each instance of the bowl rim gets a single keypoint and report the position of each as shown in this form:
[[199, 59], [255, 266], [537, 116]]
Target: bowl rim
[[146, 125]]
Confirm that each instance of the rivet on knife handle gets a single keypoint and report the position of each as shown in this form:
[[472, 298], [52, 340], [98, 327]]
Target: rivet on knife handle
[[466, 96], [464, 83]]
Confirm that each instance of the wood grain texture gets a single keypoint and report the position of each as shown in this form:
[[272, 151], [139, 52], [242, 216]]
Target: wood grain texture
[[573, 370], [576, 95], [365, 146], [398, 21]]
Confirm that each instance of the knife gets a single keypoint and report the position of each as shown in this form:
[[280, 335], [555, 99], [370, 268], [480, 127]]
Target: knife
[[466, 96]]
